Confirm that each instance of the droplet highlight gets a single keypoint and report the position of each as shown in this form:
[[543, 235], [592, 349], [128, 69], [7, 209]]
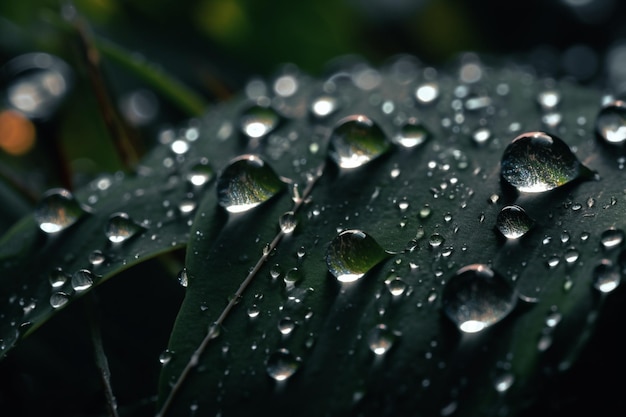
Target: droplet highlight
[[351, 254], [257, 121], [357, 140], [411, 134], [57, 210], [611, 123], [282, 364], [513, 222], [120, 227]]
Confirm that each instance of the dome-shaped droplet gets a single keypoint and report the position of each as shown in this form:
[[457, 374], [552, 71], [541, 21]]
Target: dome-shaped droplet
[[58, 278], [82, 279], [612, 238], [200, 173], [351, 254], [513, 222], [411, 134], [165, 357], [247, 182], [536, 162], [380, 339], [59, 299], [477, 297], [324, 105], [257, 121], [183, 278], [57, 210], [120, 227], [282, 364], [606, 276], [611, 123], [288, 222], [357, 140]]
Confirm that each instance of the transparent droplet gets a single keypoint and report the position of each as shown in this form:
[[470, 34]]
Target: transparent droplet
[[503, 382], [411, 134], [121, 227], [351, 254], [247, 182], [57, 210], [293, 276], [96, 258], [427, 93], [282, 364], [611, 123], [571, 255], [396, 286], [324, 105], [536, 162], [257, 121], [435, 240], [513, 222], [477, 297], [380, 339], [611, 238], [481, 136], [287, 222], [59, 299], [183, 278], [606, 276], [286, 325], [165, 357], [357, 140], [58, 278], [200, 173], [82, 280], [549, 100], [254, 311]]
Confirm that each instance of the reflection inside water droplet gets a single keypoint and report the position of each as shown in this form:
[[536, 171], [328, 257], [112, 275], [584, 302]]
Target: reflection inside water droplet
[[357, 140], [351, 254], [611, 238], [121, 227], [606, 276], [282, 364], [59, 299], [257, 121], [411, 134], [82, 279], [536, 162], [200, 173], [57, 210], [380, 339], [287, 222], [247, 182], [477, 297], [611, 123], [513, 222]]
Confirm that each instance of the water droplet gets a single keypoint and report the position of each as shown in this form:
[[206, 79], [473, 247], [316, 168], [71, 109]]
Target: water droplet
[[513, 222], [571, 255], [357, 140], [435, 240], [324, 105], [286, 325], [282, 364], [411, 134], [287, 222], [247, 182], [549, 100], [396, 286], [535, 162], [611, 123], [57, 210], [82, 280], [351, 254], [503, 382], [200, 173], [380, 339], [121, 227], [165, 357], [481, 136], [58, 278], [183, 278], [611, 238], [477, 297], [254, 311], [427, 93], [606, 276], [292, 277], [59, 299], [257, 121], [96, 258]]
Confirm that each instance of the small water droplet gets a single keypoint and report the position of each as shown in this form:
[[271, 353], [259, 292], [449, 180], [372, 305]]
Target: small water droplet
[[481, 136], [324, 105], [183, 278], [351, 254], [286, 325], [121, 227], [611, 123], [165, 357], [59, 299], [380, 339], [503, 382], [258, 120], [535, 162], [254, 311], [477, 297], [82, 280], [606, 276], [200, 173], [282, 364], [58, 278], [513, 222], [96, 258], [571, 255], [357, 140], [396, 286], [435, 240], [288, 222], [247, 182], [411, 134], [427, 93], [611, 238], [57, 210]]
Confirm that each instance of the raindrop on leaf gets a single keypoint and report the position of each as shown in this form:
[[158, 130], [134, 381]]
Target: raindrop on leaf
[[357, 140], [380, 339], [535, 162], [611, 123], [412, 134], [606, 276], [513, 222], [351, 254], [257, 121], [120, 227], [82, 280], [282, 364], [247, 182], [57, 210], [477, 297]]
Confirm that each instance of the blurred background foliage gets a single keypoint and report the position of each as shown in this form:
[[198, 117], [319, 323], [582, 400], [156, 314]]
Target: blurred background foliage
[[163, 61]]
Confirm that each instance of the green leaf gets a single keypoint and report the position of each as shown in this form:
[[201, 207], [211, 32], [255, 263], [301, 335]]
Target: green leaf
[[291, 339]]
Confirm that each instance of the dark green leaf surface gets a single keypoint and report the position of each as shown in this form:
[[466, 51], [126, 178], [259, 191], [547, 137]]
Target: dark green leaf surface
[[435, 206]]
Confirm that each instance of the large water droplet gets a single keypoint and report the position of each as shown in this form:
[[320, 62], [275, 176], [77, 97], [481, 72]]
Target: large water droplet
[[351, 254], [121, 227], [57, 210], [59, 299], [611, 123], [477, 297], [411, 134], [606, 276], [282, 364], [82, 280], [513, 222], [612, 238], [287, 222], [380, 339], [357, 140], [257, 121], [247, 182], [536, 162]]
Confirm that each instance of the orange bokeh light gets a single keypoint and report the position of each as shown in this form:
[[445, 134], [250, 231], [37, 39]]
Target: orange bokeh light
[[17, 133]]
